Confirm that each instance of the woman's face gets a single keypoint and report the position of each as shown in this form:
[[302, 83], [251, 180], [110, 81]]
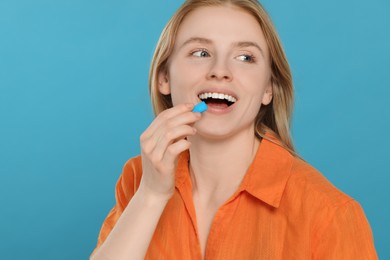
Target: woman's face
[[220, 50]]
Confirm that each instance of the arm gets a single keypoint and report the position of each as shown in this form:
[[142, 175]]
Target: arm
[[131, 235], [347, 235], [161, 144]]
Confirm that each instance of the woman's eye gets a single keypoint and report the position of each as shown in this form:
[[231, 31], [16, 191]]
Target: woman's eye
[[246, 58], [200, 53]]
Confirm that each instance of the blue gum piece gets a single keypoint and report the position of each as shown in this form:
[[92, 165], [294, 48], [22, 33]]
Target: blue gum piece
[[200, 108]]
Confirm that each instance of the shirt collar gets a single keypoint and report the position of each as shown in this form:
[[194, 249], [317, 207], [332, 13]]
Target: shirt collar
[[182, 171], [266, 177], [268, 174]]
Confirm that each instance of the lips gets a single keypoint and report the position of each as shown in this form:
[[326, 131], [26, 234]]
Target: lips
[[217, 99]]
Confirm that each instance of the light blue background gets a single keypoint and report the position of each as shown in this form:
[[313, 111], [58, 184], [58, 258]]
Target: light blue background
[[74, 100]]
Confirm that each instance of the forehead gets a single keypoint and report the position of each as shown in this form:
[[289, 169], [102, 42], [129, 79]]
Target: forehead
[[221, 24]]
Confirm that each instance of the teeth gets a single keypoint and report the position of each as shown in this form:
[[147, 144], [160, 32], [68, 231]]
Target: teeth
[[217, 96]]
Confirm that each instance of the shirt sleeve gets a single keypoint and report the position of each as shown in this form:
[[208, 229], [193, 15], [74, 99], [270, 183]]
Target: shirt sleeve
[[124, 191], [347, 235]]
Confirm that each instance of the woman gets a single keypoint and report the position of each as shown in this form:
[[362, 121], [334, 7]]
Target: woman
[[226, 184]]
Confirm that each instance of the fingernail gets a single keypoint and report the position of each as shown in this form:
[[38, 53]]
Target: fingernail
[[189, 105]]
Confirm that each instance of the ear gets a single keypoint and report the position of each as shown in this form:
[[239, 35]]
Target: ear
[[163, 83], [267, 96]]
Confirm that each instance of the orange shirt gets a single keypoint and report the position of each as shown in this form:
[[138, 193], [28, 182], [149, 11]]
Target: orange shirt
[[283, 209]]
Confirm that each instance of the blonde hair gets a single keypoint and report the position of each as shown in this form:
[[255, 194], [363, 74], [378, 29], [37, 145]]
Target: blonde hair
[[274, 118]]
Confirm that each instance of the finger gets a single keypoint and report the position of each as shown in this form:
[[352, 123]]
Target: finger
[[169, 126], [167, 115], [149, 139], [175, 128], [170, 137], [173, 151], [186, 118]]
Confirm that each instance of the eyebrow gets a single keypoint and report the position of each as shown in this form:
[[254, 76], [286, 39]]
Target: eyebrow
[[196, 39], [249, 44], [235, 44]]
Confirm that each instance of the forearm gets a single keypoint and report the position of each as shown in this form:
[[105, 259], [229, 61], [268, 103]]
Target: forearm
[[131, 236], [161, 144]]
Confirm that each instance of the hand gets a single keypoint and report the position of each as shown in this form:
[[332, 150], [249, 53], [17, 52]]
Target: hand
[[161, 143]]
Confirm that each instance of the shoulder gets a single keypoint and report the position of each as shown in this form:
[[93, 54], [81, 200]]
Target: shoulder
[[329, 210], [132, 169], [310, 183], [129, 180], [332, 215]]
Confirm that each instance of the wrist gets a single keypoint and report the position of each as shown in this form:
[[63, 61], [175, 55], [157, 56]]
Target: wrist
[[151, 199]]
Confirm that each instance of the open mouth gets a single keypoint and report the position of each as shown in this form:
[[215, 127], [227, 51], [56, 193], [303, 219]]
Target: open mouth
[[217, 99]]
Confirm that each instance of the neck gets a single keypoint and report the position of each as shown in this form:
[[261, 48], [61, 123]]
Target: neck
[[218, 166]]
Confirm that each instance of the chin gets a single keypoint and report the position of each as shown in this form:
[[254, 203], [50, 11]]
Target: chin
[[217, 136], [217, 131], [212, 130]]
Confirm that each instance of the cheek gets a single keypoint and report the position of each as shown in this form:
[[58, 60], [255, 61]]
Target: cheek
[[181, 71], [182, 82], [255, 86], [256, 80], [184, 76]]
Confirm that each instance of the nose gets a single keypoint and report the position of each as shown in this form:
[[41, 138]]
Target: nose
[[219, 70]]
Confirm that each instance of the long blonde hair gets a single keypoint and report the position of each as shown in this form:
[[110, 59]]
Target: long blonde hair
[[274, 118]]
